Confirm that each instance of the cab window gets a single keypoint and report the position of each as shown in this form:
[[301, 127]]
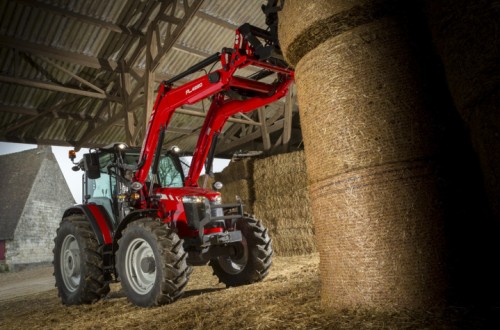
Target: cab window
[[169, 174]]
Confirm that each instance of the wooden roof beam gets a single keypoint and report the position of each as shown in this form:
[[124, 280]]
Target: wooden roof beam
[[83, 18], [56, 88], [69, 57]]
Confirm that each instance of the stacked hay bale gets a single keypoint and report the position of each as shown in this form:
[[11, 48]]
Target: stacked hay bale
[[371, 144], [275, 190], [282, 202], [465, 34], [237, 178]]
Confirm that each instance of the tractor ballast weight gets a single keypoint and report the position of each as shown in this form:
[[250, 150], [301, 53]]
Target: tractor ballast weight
[[144, 221]]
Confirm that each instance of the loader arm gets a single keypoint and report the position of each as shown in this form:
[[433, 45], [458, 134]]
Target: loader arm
[[215, 84], [217, 116]]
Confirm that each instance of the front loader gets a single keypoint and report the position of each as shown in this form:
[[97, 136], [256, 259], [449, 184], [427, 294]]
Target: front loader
[[144, 220]]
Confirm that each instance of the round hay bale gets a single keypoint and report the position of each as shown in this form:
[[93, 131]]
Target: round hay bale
[[368, 124], [367, 118], [465, 34], [380, 247], [298, 16], [305, 24]]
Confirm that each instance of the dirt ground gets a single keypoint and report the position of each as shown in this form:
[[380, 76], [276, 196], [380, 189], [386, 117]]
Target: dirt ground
[[288, 299], [26, 282]]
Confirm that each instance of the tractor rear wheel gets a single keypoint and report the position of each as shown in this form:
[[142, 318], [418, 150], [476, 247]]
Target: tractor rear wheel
[[253, 258], [78, 265], [151, 263]]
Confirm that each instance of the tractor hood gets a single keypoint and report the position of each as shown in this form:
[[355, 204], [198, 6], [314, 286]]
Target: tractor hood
[[176, 194]]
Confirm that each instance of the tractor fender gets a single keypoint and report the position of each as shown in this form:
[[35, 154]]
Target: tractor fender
[[98, 218], [131, 217]]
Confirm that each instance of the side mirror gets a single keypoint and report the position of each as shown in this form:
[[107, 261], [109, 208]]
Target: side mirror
[[91, 165]]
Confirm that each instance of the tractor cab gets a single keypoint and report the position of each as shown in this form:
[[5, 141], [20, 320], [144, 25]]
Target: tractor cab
[[108, 174]]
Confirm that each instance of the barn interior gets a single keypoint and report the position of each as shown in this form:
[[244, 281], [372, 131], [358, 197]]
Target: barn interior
[[377, 174]]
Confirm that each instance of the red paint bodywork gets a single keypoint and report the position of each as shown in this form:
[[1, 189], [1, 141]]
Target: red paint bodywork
[[213, 85], [172, 209], [101, 222], [222, 107]]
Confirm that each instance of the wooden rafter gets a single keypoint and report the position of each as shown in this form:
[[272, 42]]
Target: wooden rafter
[[69, 56], [224, 147], [55, 87], [266, 139], [155, 49], [124, 81], [83, 18]]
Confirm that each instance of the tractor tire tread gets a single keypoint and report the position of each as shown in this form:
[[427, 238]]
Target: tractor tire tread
[[93, 285]]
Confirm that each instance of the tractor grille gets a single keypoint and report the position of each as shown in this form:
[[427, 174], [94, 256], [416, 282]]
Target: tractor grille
[[216, 212], [195, 212]]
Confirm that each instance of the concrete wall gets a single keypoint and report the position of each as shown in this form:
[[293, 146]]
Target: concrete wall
[[34, 236]]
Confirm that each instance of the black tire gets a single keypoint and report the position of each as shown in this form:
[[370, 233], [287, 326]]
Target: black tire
[[152, 263], [78, 265], [254, 258]]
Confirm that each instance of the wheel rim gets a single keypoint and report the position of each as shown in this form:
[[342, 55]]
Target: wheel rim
[[232, 265], [140, 266], [70, 263]]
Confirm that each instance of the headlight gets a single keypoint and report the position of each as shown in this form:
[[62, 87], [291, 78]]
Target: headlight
[[217, 185], [136, 186], [193, 199], [217, 199]]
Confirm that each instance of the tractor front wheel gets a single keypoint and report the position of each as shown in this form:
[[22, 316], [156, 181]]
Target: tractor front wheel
[[78, 265], [253, 256], [151, 263]]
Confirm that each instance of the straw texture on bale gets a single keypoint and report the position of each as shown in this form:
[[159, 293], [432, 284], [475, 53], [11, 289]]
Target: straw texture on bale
[[236, 170], [282, 202], [242, 189], [237, 181], [380, 241], [370, 139], [306, 24], [209, 181], [466, 36]]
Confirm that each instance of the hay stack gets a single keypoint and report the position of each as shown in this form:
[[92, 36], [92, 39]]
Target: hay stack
[[282, 202], [236, 170], [237, 180], [242, 189], [370, 144]]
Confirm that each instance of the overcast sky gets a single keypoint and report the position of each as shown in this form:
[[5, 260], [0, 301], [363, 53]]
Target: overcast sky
[[74, 179]]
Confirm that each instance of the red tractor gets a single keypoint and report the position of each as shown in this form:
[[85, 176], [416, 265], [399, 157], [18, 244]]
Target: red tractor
[[144, 220]]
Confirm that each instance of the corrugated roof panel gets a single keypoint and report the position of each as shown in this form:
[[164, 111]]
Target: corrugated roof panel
[[47, 128], [206, 36], [39, 25], [9, 18], [112, 134], [34, 24], [46, 34], [237, 11]]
